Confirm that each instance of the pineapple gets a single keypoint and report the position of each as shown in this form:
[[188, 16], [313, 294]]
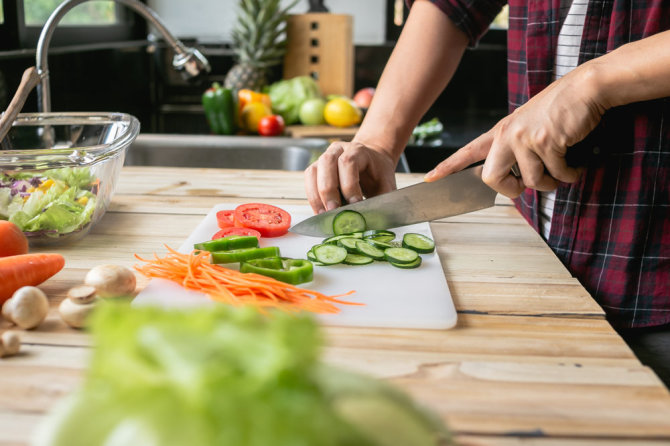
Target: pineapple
[[259, 42]]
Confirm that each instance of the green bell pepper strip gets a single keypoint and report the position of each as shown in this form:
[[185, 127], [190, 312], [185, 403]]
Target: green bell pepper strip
[[219, 106], [228, 242], [287, 270], [243, 255]]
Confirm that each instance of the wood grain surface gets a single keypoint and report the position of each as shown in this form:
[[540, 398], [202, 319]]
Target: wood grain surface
[[321, 131], [532, 360]]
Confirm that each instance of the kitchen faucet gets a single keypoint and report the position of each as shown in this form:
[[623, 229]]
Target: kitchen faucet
[[189, 61]]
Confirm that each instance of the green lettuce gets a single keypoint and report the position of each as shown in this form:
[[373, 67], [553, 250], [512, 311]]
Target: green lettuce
[[79, 177], [58, 209], [288, 95], [222, 376]]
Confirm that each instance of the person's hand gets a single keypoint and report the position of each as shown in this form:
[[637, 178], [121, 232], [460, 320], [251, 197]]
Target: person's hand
[[536, 137], [349, 171]]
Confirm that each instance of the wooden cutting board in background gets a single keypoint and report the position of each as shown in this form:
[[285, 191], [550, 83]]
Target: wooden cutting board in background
[[328, 132], [392, 297], [320, 45]]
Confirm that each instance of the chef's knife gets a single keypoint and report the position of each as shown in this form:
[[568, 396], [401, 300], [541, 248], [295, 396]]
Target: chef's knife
[[455, 194]]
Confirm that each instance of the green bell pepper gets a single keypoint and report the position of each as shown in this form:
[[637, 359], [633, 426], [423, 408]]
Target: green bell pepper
[[228, 242], [244, 254], [219, 106], [293, 271]]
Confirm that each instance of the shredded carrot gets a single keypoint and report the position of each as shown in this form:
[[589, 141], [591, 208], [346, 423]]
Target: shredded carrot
[[195, 272]]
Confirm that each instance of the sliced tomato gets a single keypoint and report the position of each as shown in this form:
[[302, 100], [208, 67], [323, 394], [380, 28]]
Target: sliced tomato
[[225, 219], [269, 220], [236, 231]]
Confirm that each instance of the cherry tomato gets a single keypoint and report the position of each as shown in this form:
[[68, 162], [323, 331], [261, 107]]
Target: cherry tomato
[[269, 220], [272, 125], [236, 231], [225, 219]]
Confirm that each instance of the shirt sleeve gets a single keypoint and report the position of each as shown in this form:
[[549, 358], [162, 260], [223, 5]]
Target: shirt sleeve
[[473, 17]]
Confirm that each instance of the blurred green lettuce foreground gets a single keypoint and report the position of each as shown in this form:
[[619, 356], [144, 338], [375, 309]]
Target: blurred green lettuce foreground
[[223, 376]]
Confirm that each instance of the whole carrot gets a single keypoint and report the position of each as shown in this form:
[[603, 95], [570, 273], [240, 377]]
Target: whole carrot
[[26, 270], [12, 240]]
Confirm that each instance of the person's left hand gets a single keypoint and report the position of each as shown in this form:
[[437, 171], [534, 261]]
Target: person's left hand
[[536, 137]]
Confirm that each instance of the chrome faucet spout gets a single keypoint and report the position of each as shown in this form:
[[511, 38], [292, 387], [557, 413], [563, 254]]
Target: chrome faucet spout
[[189, 61]]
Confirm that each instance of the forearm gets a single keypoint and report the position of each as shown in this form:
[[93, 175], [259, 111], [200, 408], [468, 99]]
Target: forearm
[[637, 71], [422, 63]]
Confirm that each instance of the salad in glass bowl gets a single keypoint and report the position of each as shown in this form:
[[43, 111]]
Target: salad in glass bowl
[[50, 203], [58, 171]]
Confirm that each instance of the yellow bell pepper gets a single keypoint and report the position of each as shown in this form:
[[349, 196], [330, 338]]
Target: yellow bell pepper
[[246, 96]]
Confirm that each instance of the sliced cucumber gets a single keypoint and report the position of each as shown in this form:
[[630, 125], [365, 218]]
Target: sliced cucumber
[[348, 243], [357, 259], [380, 244], [329, 254], [363, 247], [381, 235], [310, 256], [400, 255], [382, 238], [418, 242], [367, 249], [347, 222], [333, 240], [414, 264]]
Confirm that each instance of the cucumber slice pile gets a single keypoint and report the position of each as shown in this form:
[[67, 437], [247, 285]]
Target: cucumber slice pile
[[353, 244]]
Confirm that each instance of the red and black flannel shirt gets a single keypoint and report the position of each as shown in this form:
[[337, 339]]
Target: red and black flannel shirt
[[612, 228]]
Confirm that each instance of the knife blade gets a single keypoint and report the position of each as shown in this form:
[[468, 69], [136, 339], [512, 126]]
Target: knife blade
[[456, 194]]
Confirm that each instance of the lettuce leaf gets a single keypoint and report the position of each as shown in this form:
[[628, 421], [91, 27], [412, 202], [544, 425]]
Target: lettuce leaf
[[226, 376], [214, 376]]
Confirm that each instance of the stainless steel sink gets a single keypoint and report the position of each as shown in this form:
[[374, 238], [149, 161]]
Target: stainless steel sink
[[233, 152]]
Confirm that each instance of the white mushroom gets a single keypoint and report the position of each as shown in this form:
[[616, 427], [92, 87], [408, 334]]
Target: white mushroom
[[82, 294], [111, 280], [6, 311], [27, 307], [11, 343], [80, 302]]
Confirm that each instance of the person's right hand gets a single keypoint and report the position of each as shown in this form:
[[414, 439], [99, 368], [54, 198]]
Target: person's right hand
[[349, 171]]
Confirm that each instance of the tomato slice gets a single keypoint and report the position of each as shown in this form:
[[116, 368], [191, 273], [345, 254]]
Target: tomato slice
[[269, 220], [236, 231], [225, 219]]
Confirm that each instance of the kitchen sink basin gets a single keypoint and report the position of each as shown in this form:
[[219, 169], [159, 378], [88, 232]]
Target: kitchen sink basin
[[232, 152]]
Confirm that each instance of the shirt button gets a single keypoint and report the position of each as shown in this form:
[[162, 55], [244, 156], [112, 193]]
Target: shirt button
[[596, 150]]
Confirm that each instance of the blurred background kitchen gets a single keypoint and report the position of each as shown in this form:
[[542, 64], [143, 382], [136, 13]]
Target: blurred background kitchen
[[104, 57]]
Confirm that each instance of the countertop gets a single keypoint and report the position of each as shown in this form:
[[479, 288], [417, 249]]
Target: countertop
[[531, 361]]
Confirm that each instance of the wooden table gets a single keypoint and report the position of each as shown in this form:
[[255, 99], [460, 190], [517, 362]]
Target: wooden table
[[532, 360]]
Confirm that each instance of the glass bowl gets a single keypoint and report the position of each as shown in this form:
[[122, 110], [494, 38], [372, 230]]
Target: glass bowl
[[58, 171]]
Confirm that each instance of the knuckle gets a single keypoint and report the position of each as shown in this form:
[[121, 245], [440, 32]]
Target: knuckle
[[327, 189], [310, 171], [348, 158], [532, 180], [542, 138], [329, 156]]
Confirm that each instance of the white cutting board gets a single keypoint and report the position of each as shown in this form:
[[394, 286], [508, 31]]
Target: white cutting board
[[393, 297]]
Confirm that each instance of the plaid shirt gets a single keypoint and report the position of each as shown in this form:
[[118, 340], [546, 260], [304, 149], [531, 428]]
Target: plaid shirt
[[612, 228]]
